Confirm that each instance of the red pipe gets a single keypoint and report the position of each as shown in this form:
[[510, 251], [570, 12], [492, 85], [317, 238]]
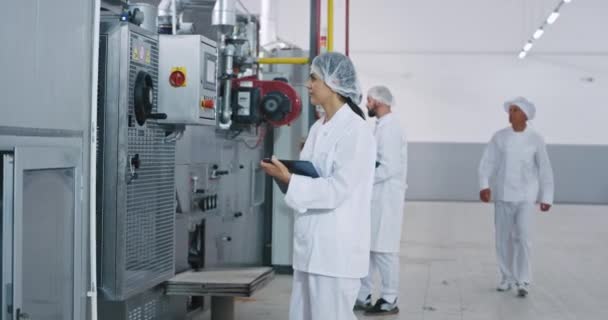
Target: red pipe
[[347, 27], [318, 14]]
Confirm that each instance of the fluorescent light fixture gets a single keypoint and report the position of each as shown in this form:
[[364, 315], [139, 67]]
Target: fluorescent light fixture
[[522, 54], [552, 17], [541, 30]]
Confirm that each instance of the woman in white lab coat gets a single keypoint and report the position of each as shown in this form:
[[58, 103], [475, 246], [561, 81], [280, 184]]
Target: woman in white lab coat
[[517, 163], [332, 213]]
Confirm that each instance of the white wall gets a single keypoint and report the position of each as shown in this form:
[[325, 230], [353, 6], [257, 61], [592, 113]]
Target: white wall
[[290, 17], [458, 98]]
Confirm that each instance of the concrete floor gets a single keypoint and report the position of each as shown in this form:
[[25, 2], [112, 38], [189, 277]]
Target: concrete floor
[[448, 268]]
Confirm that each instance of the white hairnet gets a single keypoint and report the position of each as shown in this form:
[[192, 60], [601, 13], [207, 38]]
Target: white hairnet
[[381, 94], [524, 104], [338, 73]]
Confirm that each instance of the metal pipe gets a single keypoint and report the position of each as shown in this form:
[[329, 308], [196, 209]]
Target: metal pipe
[[226, 113], [92, 293], [267, 33], [225, 118], [347, 27], [315, 29], [224, 13], [253, 37], [229, 53], [330, 25], [173, 17], [285, 60]]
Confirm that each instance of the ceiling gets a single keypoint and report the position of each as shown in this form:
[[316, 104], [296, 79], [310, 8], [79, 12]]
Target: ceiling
[[476, 26]]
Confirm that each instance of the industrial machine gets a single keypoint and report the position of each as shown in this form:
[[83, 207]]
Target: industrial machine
[[136, 168], [184, 121]]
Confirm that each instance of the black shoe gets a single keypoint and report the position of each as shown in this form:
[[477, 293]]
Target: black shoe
[[363, 305], [382, 307]]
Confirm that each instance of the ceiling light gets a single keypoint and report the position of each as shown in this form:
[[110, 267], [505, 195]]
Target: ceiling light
[[522, 54], [554, 15], [541, 30]]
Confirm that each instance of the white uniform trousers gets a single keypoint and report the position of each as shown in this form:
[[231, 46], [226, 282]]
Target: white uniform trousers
[[387, 265], [317, 297], [513, 223]]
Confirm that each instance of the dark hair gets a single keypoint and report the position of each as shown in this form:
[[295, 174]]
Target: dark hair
[[354, 107]]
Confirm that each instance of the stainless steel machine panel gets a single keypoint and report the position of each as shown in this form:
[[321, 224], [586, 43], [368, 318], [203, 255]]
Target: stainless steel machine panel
[[233, 220], [187, 80], [150, 305], [137, 163]]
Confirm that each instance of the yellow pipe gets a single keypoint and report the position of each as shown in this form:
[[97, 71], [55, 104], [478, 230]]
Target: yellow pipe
[[286, 60], [330, 25]]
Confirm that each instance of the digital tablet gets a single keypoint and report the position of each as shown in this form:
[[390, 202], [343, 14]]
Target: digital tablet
[[299, 167]]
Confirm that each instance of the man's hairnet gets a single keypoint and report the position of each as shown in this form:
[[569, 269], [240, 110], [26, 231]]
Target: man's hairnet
[[338, 73], [381, 94], [524, 104]]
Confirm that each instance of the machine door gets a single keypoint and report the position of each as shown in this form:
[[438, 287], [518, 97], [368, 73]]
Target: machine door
[[6, 210], [47, 209]]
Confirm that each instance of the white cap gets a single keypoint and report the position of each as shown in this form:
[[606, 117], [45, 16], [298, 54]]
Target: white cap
[[524, 104], [381, 94]]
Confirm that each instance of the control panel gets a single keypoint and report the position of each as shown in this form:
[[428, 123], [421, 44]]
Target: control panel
[[187, 79]]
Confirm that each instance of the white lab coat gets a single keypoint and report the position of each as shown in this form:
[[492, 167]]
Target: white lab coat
[[519, 164], [389, 185], [331, 228]]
